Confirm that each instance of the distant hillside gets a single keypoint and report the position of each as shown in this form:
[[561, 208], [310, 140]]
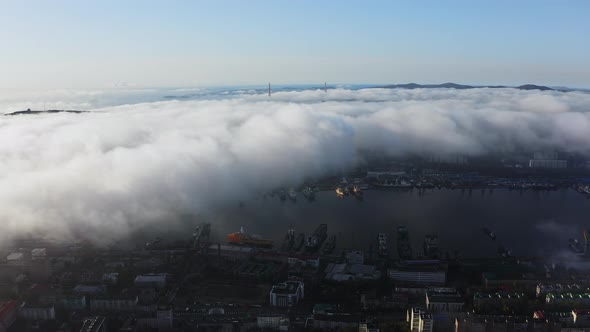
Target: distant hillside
[[450, 85], [42, 112]]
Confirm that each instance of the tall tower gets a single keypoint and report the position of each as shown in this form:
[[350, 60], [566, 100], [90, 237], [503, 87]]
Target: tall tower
[[269, 89]]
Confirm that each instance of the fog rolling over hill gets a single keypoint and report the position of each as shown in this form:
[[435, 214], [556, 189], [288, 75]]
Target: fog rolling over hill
[[117, 169]]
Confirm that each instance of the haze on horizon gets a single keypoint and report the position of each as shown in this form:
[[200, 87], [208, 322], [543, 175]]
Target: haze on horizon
[[101, 44]]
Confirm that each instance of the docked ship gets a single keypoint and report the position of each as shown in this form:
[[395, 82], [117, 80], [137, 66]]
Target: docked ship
[[382, 245], [489, 233], [315, 240], [503, 252], [329, 245], [431, 249], [289, 240], [292, 194], [357, 192], [393, 184], [298, 243], [404, 249], [339, 192], [243, 238], [308, 193], [282, 195]]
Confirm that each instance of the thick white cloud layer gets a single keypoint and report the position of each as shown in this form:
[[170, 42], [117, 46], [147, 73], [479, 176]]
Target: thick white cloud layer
[[120, 168]]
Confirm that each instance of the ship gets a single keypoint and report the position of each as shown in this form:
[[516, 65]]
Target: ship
[[298, 243], [282, 195], [315, 240], [503, 252], [489, 233], [153, 243], [357, 192], [431, 249], [346, 191], [308, 193], [339, 192], [329, 245], [243, 238], [292, 194], [382, 244], [577, 247], [394, 184], [289, 240], [404, 249]]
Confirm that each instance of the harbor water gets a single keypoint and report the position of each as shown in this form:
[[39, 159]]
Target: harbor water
[[531, 223]]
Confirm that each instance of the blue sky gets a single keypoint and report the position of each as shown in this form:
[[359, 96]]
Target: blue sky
[[75, 44]]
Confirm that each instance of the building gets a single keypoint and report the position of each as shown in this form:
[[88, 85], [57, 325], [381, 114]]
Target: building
[[543, 289], [499, 302], [336, 321], [272, 321], [36, 312], [425, 324], [116, 303], [90, 289], [568, 299], [421, 272], [351, 272], [355, 257], [419, 320], [286, 294], [8, 313], [501, 323], [547, 160], [39, 253], [444, 299], [67, 302], [151, 280], [94, 324]]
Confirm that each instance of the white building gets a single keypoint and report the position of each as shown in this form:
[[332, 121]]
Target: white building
[[286, 294], [419, 320]]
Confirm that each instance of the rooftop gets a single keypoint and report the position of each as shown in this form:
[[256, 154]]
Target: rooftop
[[289, 287]]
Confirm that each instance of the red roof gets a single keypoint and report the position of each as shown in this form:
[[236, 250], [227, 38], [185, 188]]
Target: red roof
[[6, 308]]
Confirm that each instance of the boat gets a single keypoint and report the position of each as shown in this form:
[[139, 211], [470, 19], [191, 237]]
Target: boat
[[394, 184], [292, 194], [404, 249], [315, 240], [298, 243], [489, 233], [576, 246], [151, 244], [382, 244], [282, 195], [329, 245], [308, 193], [503, 252], [289, 240], [243, 238], [358, 193], [346, 191], [339, 192], [431, 249]]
